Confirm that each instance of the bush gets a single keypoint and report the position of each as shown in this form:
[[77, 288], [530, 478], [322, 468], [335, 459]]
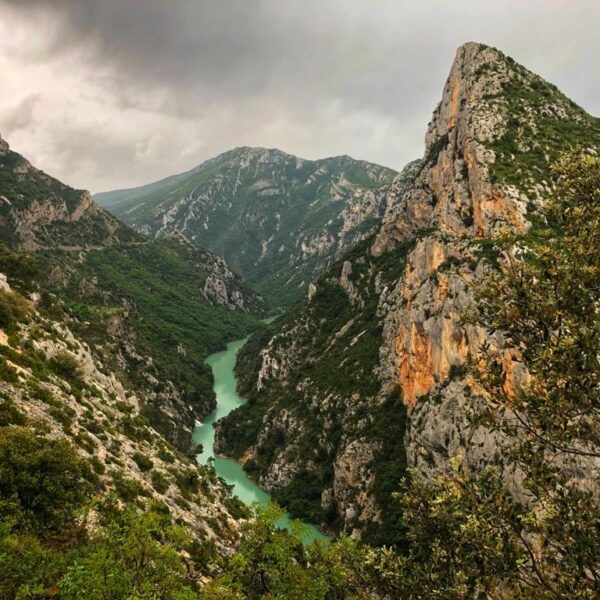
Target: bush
[[187, 481], [10, 414], [143, 462], [66, 366], [159, 482], [13, 308], [128, 489], [42, 481]]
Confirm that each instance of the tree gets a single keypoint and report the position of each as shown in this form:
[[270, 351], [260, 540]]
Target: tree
[[272, 563], [130, 556]]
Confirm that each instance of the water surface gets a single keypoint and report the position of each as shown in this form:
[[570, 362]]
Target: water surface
[[222, 365]]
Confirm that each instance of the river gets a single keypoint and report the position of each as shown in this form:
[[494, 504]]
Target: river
[[225, 387]]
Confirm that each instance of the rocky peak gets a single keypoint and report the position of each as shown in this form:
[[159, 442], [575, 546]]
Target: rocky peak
[[488, 151], [454, 190]]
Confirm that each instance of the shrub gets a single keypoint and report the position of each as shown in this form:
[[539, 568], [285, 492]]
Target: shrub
[[10, 414], [42, 481], [159, 482], [128, 489], [143, 462]]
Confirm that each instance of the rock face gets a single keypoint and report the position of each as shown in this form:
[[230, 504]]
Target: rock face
[[276, 219], [222, 287], [488, 149], [38, 211]]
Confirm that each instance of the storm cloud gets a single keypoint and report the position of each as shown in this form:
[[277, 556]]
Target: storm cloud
[[114, 93]]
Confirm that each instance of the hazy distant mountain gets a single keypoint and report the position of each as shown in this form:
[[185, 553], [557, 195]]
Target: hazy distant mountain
[[277, 219]]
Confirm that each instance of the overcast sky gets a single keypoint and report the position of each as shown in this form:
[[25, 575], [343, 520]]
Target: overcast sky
[[114, 93]]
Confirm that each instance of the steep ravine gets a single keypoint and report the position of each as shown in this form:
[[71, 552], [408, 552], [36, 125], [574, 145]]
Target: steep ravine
[[227, 399]]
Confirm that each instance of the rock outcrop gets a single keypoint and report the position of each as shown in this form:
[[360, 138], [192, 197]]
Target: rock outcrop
[[38, 211]]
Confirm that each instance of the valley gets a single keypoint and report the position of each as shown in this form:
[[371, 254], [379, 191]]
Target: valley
[[225, 387]]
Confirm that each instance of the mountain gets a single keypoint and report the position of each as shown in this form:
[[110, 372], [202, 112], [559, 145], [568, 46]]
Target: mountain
[[277, 219], [103, 338], [38, 211], [368, 375], [136, 299]]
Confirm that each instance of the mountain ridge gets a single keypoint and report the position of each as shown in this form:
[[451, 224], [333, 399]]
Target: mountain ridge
[[134, 298], [103, 336], [276, 218], [323, 442]]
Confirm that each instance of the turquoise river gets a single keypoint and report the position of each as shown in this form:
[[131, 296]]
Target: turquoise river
[[225, 387]]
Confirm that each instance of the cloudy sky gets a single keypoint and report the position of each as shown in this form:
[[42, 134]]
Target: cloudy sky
[[116, 93]]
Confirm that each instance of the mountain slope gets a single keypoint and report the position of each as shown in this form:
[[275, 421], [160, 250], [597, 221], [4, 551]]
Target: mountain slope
[[153, 310], [103, 337], [38, 211], [276, 219], [330, 427], [54, 384]]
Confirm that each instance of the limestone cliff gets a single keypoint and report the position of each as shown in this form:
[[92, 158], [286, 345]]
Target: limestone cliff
[[318, 433]]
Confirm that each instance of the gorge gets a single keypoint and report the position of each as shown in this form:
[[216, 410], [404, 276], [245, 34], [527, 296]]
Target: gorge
[[225, 387], [396, 402]]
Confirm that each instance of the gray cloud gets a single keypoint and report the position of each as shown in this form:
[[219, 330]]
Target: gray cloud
[[21, 115], [131, 90]]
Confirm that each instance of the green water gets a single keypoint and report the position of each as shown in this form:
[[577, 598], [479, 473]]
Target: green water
[[222, 364]]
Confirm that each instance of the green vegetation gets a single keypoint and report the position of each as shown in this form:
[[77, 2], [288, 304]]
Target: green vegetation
[[21, 185], [13, 308], [22, 269], [144, 463], [138, 304], [125, 555], [388, 427], [156, 288], [464, 535], [542, 124], [468, 536], [42, 482]]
